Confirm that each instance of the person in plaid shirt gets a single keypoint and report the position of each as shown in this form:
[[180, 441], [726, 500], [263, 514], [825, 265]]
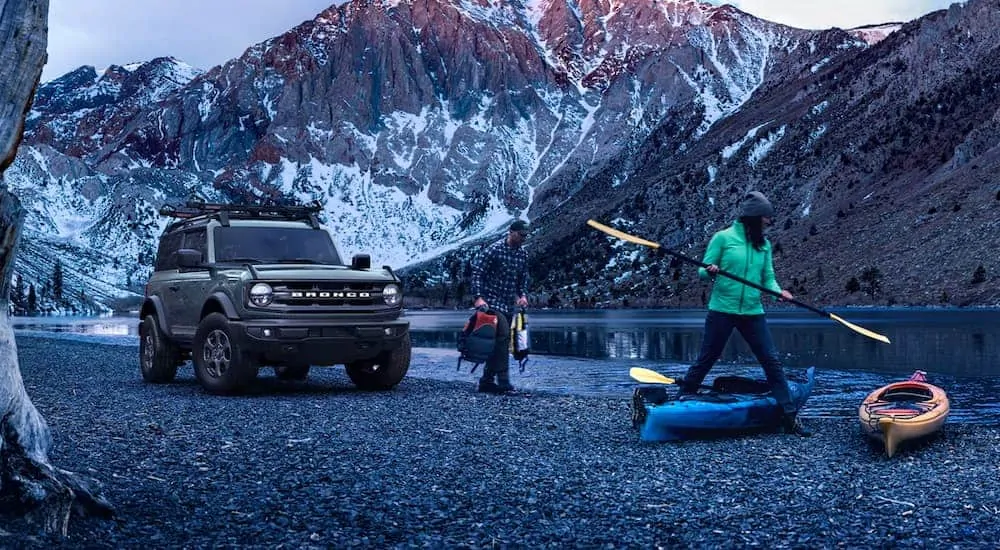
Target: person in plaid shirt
[[499, 282]]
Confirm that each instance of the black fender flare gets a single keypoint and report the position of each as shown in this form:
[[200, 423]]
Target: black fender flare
[[153, 305], [224, 301]]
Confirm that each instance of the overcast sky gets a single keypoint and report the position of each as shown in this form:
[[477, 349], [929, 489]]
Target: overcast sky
[[206, 33], [201, 33]]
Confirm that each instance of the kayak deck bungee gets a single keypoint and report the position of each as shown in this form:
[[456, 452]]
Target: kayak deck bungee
[[903, 411], [734, 405]]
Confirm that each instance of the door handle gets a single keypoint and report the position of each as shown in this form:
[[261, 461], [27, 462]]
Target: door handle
[[175, 288]]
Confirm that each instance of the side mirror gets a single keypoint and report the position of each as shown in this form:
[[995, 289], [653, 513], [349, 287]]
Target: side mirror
[[361, 261], [187, 257]]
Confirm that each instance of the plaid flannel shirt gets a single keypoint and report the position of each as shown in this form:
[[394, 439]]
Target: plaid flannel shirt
[[500, 276]]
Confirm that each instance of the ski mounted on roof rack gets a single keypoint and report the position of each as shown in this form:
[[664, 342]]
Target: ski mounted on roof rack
[[224, 212]]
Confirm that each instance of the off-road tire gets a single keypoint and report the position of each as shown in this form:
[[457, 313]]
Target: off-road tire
[[158, 357], [219, 363], [385, 371], [295, 373]]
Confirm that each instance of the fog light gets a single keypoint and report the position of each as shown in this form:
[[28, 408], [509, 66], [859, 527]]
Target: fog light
[[388, 332], [266, 332]]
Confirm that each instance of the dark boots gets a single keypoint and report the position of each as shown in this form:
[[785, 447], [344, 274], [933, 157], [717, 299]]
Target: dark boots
[[685, 392], [488, 386], [791, 424]]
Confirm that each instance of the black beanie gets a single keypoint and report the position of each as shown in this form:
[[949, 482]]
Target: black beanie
[[756, 204]]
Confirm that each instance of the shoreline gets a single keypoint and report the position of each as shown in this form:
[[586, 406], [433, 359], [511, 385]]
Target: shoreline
[[773, 307], [432, 463]]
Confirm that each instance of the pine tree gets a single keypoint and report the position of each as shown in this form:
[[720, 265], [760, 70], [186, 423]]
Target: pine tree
[[17, 297], [57, 281], [32, 299], [872, 277], [852, 285]]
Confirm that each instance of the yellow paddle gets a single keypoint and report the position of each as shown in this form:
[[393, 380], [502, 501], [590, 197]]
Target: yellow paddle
[[647, 376], [655, 245]]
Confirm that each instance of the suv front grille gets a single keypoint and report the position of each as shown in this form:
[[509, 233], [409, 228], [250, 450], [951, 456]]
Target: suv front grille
[[319, 295]]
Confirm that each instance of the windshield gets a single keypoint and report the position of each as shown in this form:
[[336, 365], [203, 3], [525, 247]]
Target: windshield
[[273, 245]]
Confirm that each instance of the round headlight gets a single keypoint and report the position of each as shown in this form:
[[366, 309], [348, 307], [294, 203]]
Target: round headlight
[[392, 295], [261, 295]]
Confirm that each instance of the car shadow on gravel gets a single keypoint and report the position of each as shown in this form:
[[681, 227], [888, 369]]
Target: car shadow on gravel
[[319, 382]]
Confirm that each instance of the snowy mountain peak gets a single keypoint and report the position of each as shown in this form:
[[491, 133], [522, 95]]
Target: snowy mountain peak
[[873, 34], [87, 87]]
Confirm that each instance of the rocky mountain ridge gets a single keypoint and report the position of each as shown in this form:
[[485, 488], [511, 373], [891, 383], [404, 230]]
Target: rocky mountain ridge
[[880, 164], [653, 114]]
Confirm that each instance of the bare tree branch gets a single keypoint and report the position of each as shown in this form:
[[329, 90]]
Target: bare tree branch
[[29, 485]]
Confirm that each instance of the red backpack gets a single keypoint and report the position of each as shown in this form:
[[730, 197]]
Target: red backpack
[[478, 338]]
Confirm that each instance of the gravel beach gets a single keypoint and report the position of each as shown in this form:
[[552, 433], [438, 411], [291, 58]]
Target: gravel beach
[[433, 464]]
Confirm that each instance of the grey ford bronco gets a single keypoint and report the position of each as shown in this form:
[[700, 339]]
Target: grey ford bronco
[[238, 287]]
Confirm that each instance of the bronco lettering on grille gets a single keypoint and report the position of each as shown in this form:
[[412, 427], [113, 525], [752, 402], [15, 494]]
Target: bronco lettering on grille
[[324, 294]]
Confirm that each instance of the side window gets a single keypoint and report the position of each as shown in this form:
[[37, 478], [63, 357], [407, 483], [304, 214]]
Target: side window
[[165, 257], [197, 240]]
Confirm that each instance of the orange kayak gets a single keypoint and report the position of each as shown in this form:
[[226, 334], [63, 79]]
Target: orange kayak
[[904, 410]]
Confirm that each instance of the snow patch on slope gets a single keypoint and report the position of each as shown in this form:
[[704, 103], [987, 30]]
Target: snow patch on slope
[[732, 71], [764, 146], [875, 33], [729, 151]]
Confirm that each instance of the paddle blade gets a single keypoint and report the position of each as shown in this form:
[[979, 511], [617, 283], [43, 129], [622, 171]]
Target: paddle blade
[[647, 376], [622, 235], [860, 330]]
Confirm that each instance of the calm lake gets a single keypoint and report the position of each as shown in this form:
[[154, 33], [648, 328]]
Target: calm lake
[[589, 351]]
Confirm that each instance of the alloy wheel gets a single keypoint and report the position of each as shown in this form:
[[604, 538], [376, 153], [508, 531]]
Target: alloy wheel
[[217, 353]]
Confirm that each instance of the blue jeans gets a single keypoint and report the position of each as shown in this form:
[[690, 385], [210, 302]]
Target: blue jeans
[[718, 327]]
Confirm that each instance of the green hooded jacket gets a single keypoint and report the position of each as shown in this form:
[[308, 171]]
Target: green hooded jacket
[[732, 252]]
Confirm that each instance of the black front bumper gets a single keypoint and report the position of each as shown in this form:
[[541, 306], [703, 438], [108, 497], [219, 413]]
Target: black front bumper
[[319, 343]]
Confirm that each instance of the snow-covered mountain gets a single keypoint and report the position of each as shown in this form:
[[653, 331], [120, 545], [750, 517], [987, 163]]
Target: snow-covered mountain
[[880, 163], [873, 34], [419, 125], [426, 126]]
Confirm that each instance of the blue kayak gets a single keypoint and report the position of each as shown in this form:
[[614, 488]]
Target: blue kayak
[[733, 405]]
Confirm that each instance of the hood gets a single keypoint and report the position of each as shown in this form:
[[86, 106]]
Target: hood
[[309, 272]]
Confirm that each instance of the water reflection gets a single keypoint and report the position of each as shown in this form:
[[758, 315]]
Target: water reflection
[[95, 326], [955, 342], [959, 343]]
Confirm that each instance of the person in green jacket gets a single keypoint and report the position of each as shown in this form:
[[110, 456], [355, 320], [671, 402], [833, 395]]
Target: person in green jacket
[[743, 250]]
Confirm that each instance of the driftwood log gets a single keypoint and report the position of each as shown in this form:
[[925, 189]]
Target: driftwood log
[[30, 487]]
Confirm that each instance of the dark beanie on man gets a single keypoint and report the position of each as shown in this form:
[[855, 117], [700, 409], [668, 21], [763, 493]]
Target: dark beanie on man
[[519, 225], [756, 204]]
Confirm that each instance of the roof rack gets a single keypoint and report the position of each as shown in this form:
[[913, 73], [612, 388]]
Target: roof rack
[[194, 210]]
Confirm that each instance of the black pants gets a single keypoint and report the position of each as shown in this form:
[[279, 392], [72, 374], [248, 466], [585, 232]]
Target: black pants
[[753, 328], [497, 367]]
